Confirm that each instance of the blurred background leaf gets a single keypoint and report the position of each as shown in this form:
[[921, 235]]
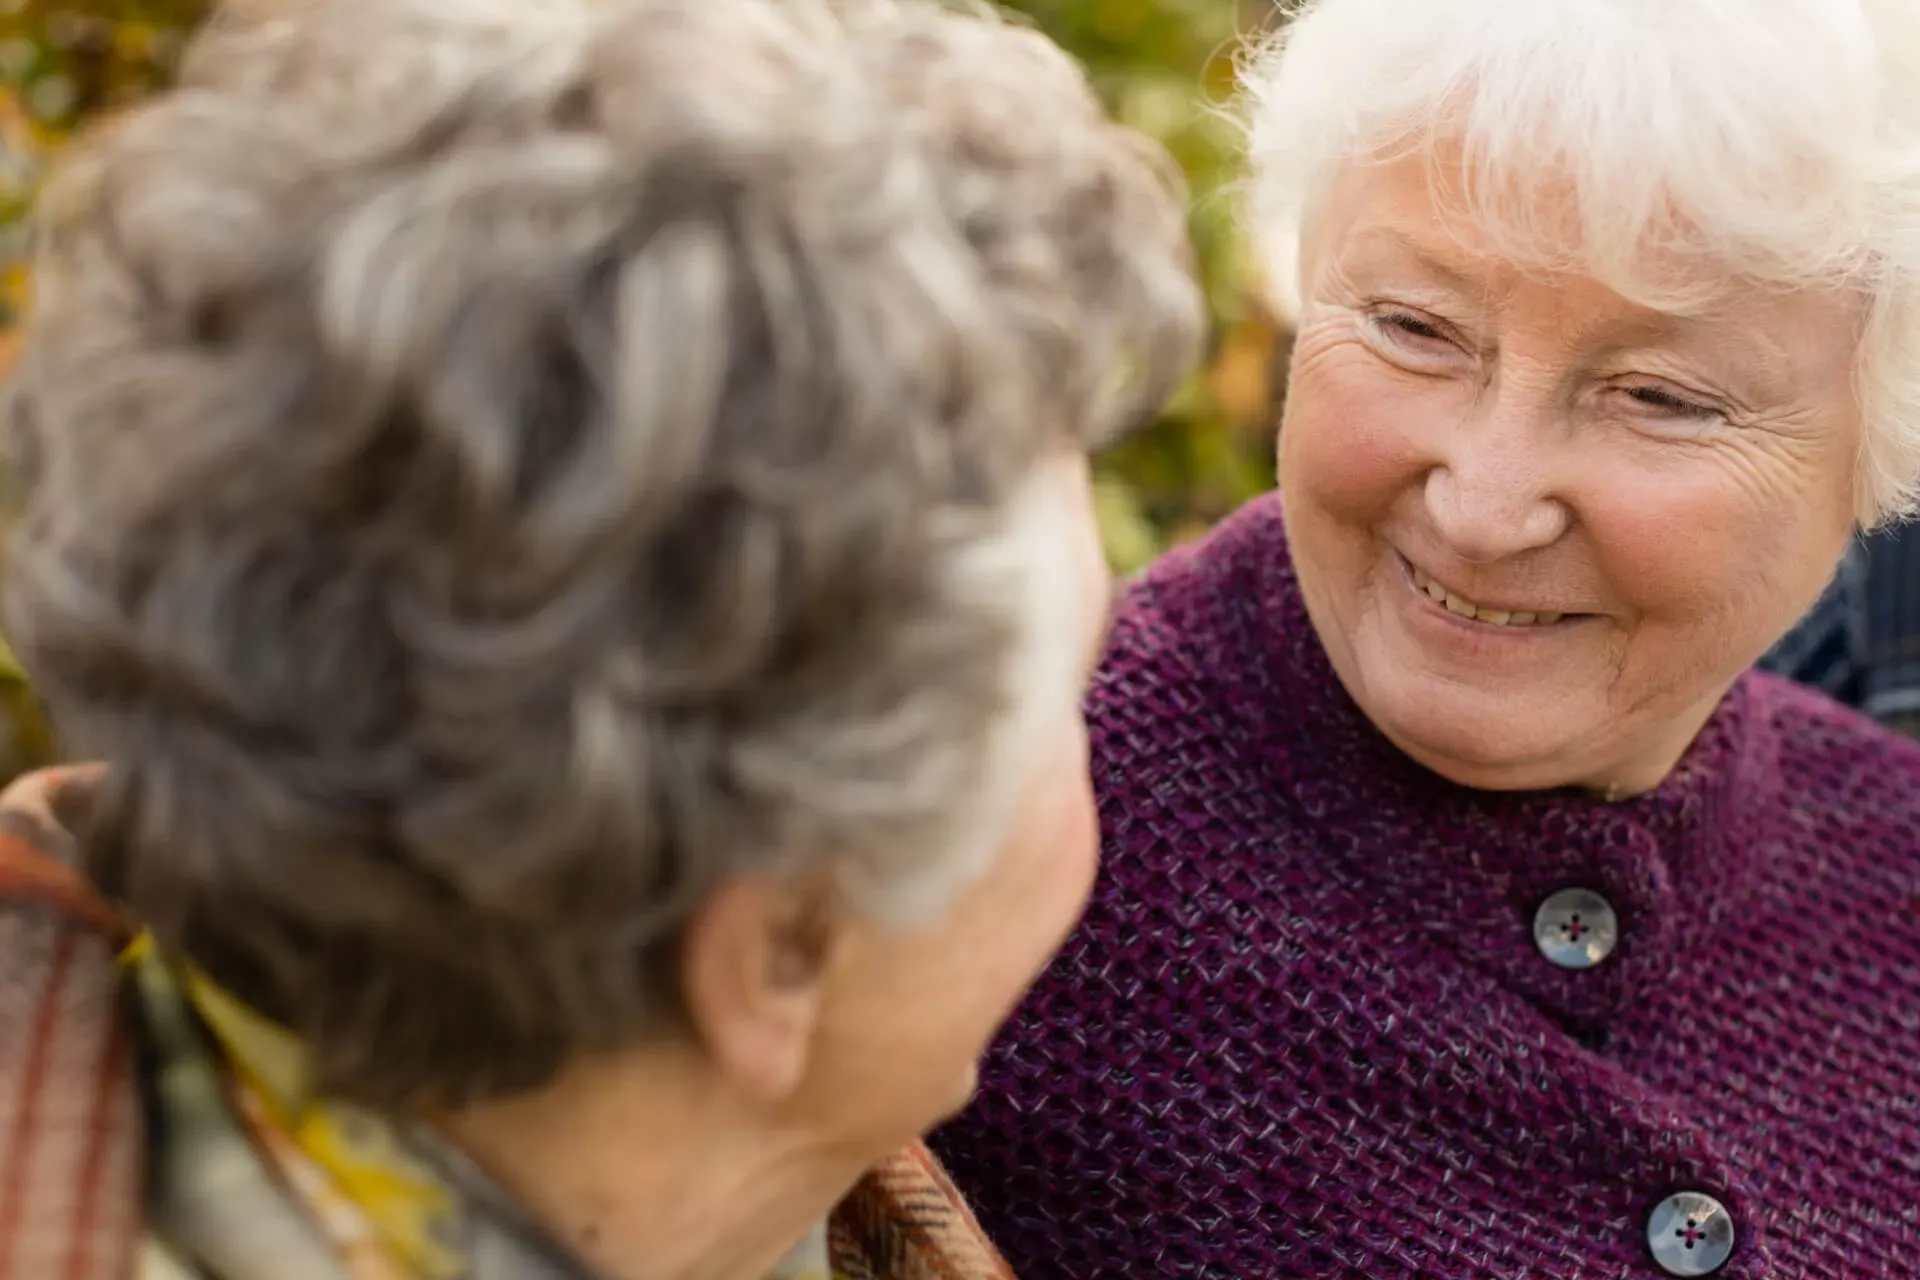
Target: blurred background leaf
[[61, 65], [1164, 67]]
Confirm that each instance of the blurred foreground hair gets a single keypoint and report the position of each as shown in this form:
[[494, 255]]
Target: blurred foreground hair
[[495, 468]]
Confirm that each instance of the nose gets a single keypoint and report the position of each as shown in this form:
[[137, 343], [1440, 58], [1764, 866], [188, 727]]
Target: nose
[[1491, 495]]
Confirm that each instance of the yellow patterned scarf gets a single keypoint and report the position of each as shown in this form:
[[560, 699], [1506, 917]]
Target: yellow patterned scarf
[[257, 1177]]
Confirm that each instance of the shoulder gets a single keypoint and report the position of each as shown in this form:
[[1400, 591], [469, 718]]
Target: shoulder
[[905, 1220], [65, 1059], [39, 858], [1192, 704], [1190, 615], [1838, 764]]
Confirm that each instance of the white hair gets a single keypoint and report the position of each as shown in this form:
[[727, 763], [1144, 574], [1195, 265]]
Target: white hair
[[1776, 141], [1029, 562]]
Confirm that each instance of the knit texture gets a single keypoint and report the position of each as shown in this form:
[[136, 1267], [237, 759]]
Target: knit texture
[[1305, 1031]]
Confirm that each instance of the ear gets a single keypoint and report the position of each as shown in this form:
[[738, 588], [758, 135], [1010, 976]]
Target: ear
[[754, 965]]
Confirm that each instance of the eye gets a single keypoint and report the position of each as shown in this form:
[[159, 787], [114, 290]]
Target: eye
[[1666, 404], [1411, 329], [1417, 342]]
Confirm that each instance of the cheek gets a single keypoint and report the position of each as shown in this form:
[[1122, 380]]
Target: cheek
[[1011, 920], [1080, 847], [1699, 541], [926, 1004], [1353, 438], [1059, 851], [1035, 893]]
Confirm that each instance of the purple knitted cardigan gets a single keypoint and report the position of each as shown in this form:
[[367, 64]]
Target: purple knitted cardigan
[[1305, 1031]]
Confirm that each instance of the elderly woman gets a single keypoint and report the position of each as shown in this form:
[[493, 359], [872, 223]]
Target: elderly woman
[[1468, 911], [567, 525]]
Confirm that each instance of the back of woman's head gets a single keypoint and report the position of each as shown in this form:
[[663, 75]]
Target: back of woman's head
[[495, 468]]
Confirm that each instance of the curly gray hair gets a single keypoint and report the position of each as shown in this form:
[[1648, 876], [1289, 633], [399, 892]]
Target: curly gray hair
[[494, 468]]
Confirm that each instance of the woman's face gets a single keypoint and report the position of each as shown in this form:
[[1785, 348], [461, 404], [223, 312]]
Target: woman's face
[[1541, 529]]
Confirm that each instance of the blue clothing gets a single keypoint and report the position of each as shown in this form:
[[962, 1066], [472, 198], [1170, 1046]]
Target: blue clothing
[[1860, 642]]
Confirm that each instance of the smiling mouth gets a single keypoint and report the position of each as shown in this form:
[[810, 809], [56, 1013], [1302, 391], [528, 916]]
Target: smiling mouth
[[1461, 606]]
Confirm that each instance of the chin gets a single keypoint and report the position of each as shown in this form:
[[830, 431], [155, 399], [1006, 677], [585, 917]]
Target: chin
[[1499, 753], [1489, 775]]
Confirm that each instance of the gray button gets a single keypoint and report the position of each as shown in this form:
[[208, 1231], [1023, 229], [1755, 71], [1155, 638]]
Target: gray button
[[1576, 929], [1690, 1234]]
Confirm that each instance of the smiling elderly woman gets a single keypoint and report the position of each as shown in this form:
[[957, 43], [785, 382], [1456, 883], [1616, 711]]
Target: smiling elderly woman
[[1470, 911], [568, 525]]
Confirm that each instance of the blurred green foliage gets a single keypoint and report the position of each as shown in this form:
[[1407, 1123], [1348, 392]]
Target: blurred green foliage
[[60, 64], [1163, 66]]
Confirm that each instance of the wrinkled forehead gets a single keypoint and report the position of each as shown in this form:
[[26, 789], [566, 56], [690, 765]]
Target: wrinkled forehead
[[1653, 168], [1473, 224]]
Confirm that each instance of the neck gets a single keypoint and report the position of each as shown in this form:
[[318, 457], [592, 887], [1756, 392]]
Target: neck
[[1613, 780], [641, 1168], [1646, 769]]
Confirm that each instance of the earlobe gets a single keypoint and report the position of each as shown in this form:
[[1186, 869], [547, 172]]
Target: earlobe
[[754, 962]]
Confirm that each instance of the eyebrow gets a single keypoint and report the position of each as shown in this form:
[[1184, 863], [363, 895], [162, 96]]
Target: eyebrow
[[1751, 377], [1433, 264]]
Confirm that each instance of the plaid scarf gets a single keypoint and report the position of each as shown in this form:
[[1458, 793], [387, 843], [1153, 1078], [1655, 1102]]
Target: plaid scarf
[[256, 1179]]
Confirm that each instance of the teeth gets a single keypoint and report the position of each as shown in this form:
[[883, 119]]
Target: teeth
[[1467, 609]]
